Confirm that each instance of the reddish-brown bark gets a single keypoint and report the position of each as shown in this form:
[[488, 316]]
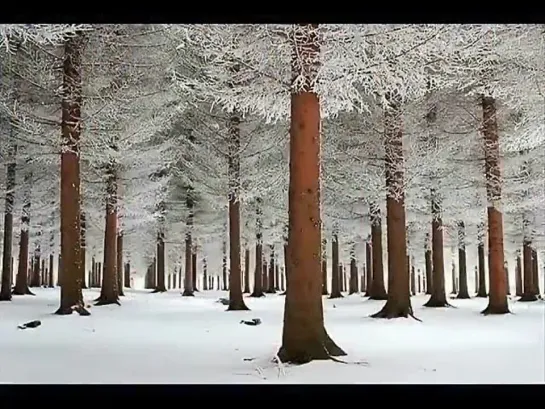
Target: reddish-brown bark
[[335, 270], [304, 337], [258, 276], [463, 293], [246, 271], [378, 290], [70, 273], [398, 303], [497, 299], [21, 282], [529, 289], [109, 291]]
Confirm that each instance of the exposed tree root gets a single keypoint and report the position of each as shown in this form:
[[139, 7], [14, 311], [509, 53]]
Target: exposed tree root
[[159, 290], [391, 313], [103, 301], [319, 350], [187, 293], [69, 310], [495, 310], [24, 292], [437, 303], [528, 298], [237, 306]]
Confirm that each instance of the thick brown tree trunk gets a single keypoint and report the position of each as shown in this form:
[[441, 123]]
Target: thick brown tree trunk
[[119, 260], [304, 337], [368, 267], [70, 274], [481, 292], [324, 267], [188, 273], [194, 268], [462, 262], [236, 300], [21, 282], [399, 300], [247, 271], [264, 274], [270, 281], [160, 243], [378, 291], [535, 270], [109, 292], [83, 233], [497, 299], [353, 281], [36, 275], [335, 271], [518, 276], [276, 277], [506, 270], [282, 280], [528, 290], [51, 283], [438, 296], [428, 265], [285, 268], [127, 274]]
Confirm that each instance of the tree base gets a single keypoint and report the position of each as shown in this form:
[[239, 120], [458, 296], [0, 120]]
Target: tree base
[[319, 350], [187, 293], [335, 295], [237, 306], [463, 296], [256, 295], [284, 293], [106, 301], [389, 312], [195, 290], [528, 298], [24, 292], [158, 290], [437, 303], [380, 297], [481, 295], [69, 310], [270, 292], [5, 297], [325, 292], [492, 310]]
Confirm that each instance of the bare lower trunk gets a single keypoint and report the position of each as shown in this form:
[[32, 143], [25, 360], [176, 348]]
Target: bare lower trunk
[[462, 263], [109, 292], [535, 270], [204, 274], [335, 271], [83, 246], [258, 287], [127, 274], [428, 265], [188, 273], [236, 301], [247, 271], [271, 288], [413, 278], [194, 268], [119, 259], [21, 280], [398, 303], [224, 268], [304, 337], [518, 276], [36, 276], [324, 267], [497, 299], [353, 282], [378, 291], [160, 251], [70, 273], [528, 292], [506, 270], [368, 267]]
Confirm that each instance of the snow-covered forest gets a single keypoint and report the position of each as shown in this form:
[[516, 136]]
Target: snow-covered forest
[[384, 160]]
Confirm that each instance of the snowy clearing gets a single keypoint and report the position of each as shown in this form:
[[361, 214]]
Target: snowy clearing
[[166, 338]]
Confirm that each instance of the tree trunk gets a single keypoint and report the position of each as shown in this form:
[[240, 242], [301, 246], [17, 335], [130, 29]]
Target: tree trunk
[[21, 282], [258, 276], [363, 280], [428, 265], [36, 275], [224, 267], [51, 283], [482, 272], [413, 278], [247, 271], [83, 227], [304, 337], [119, 260], [463, 293], [194, 268], [282, 280], [204, 274], [324, 267], [454, 279], [368, 267], [518, 276], [378, 291], [5, 290], [109, 292], [353, 281], [438, 296], [236, 300], [270, 281], [127, 270], [335, 271], [160, 243], [506, 270], [188, 273], [264, 274], [528, 292], [398, 303], [419, 281], [535, 269], [497, 299], [70, 275], [276, 277]]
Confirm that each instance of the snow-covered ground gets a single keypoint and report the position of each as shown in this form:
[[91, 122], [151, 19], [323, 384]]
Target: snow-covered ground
[[166, 338]]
